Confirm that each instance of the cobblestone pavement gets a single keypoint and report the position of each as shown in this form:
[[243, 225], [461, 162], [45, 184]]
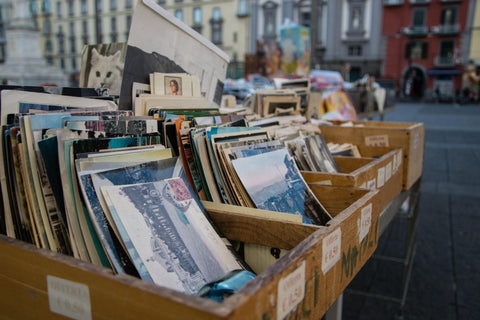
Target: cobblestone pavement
[[445, 277]]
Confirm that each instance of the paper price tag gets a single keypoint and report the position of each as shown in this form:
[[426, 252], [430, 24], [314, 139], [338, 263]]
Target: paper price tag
[[68, 298], [399, 158], [365, 222], [380, 177], [416, 141], [331, 249], [388, 171], [377, 141], [290, 291], [371, 184]]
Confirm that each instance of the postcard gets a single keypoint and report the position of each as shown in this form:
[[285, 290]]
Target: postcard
[[274, 183], [167, 234]]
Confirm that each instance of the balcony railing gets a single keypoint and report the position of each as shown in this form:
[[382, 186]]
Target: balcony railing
[[415, 31], [419, 1], [446, 29], [392, 2], [445, 61]]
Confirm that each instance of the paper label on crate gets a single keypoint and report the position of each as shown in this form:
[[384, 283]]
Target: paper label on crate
[[331, 249], [363, 185], [290, 291], [381, 177], [68, 298], [399, 159], [388, 171], [365, 222], [377, 141], [372, 184], [416, 141]]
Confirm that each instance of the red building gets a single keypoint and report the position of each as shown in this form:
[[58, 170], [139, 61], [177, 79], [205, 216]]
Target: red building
[[424, 40]]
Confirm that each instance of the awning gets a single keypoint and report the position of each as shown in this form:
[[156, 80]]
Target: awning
[[444, 72]]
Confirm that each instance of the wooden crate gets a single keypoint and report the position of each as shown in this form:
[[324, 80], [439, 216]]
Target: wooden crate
[[304, 283], [408, 136], [383, 170]]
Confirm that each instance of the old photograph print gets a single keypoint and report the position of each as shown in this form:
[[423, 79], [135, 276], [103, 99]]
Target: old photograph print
[[274, 183], [171, 237]]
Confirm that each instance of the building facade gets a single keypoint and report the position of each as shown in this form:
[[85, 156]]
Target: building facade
[[353, 41], [474, 50], [344, 34], [427, 44], [67, 25]]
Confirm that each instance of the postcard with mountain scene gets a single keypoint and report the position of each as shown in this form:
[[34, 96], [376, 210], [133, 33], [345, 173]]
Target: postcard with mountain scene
[[274, 183]]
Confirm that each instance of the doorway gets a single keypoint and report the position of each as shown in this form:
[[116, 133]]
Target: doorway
[[414, 83]]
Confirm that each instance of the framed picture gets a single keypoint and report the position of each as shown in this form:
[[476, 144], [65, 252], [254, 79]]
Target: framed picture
[[275, 105], [173, 85]]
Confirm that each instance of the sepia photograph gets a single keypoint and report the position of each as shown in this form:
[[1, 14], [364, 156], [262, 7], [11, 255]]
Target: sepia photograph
[[167, 234], [102, 66], [173, 85]]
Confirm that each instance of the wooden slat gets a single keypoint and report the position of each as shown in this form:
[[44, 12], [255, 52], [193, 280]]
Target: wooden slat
[[257, 230]]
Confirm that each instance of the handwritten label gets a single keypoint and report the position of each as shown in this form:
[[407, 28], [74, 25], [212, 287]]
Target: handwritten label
[[68, 298], [377, 141], [331, 249], [371, 184], [399, 159], [381, 177], [416, 141], [290, 291], [388, 171], [365, 222]]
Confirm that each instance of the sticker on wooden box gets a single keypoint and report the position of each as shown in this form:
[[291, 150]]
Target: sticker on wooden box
[[290, 291], [381, 177], [331, 249], [68, 298], [365, 222], [372, 184], [377, 141], [399, 158], [416, 141], [388, 171]]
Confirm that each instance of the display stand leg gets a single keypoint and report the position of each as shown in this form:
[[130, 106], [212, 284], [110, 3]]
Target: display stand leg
[[335, 311]]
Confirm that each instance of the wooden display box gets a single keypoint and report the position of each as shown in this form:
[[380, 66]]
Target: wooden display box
[[383, 170], [408, 136], [304, 283]]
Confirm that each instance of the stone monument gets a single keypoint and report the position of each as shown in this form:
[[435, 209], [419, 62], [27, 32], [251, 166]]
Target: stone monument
[[24, 64]]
